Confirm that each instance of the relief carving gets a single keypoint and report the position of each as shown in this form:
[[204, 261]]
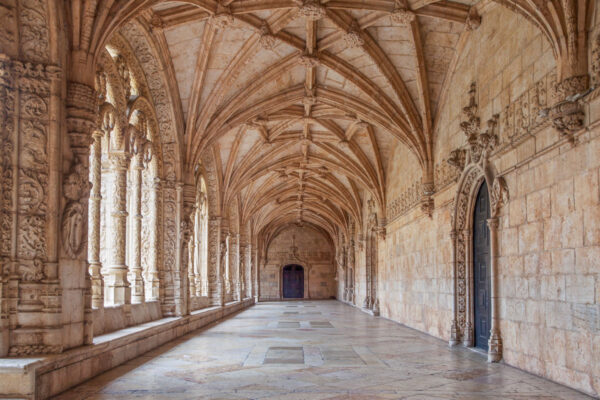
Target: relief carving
[[76, 189]]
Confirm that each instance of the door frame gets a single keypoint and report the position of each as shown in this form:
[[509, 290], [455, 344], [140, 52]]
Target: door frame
[[303, 281], [470, 180], [307, 268], [487, 271]]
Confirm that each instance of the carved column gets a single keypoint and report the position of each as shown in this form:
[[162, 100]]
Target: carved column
[[117, 288], [135, 270], [226, 265], [152, 275], [247, 251], [468, 330], [214, 269], [234, 262], [187, 249], [256, 273], [31, 316], [454, 330], [495, 342], [94, 222]]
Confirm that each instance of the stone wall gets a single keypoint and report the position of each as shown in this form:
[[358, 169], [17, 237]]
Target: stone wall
[[313, 251], [548, 235]]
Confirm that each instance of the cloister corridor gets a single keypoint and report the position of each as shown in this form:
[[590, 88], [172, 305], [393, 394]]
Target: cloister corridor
[[309, 350]]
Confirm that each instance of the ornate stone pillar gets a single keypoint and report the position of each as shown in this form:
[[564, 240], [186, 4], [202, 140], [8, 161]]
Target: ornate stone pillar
[[215, 286], [495, 343], [234, 262], [454, 329], [95, 268], [256, 272], [117, 288], [152, 275], [135, 270], [187, 251], [225, 265], [468, 331]]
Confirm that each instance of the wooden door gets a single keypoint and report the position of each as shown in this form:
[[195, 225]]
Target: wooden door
[[481, 270], [293, 282]]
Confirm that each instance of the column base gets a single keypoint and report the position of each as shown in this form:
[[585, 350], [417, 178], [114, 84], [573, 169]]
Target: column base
[[495, 347], [454, 334]]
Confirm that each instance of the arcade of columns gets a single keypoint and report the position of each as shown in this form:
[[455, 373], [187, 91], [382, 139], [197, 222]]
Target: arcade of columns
[[151, 151]]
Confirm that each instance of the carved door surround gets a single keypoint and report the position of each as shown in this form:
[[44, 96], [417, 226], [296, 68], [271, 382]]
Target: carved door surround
[[294, 259], [476, 167]]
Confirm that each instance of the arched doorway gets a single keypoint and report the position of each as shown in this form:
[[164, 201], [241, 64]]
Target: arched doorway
[[481, 270], [293, 281]]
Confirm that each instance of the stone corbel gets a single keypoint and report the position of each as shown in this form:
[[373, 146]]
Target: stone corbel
[[567, 114]]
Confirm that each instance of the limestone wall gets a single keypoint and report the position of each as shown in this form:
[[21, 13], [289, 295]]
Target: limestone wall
[[549, 235], [314, 253]]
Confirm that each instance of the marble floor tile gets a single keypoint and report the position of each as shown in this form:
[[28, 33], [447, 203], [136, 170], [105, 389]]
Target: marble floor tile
[[346, 354]]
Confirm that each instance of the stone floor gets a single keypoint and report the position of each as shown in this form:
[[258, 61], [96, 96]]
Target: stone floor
[[313, 350]]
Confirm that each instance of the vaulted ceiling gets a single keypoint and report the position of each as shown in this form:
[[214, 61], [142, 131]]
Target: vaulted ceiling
[[300, 103]]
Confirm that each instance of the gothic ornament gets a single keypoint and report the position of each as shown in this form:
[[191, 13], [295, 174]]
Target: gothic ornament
[[312, 10], [223, 17], [267, 40], [352, 38], [309, 60], [401, 14], [499, 195], [76, 189]]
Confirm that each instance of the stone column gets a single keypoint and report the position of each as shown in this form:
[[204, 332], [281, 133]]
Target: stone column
[[215, 284], [135, 271], [117, 289], [152, 275], [454, 330], [234, 260], [468, 332], [94, 222], [495, 343], [256, 272]]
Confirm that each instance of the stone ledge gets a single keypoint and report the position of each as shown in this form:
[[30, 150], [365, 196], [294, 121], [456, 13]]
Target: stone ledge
[[41, 377]]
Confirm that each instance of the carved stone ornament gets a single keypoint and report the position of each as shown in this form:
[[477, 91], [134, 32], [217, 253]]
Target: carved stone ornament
[[352, 38], [33, 272], [595, 69], [76, 189], [401, 14], [312, 10], [457, 159], [267, 41], [223, 17], [567, 113], [480, 144], [309, 61], [499, 195]]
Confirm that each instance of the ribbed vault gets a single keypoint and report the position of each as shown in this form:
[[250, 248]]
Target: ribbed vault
[[298, 104]]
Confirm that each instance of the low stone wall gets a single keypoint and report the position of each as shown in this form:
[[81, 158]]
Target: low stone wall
[[42, 377]]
